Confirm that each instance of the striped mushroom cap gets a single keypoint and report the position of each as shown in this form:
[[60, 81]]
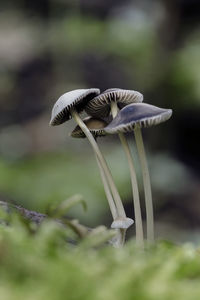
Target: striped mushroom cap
[[138, 115], [76, 98], [96, 127], [100, 106]]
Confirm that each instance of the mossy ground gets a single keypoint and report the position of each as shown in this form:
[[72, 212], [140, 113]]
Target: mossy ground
[[40, 264]]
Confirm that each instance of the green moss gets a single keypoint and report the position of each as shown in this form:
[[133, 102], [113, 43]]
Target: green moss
[[42, 265]]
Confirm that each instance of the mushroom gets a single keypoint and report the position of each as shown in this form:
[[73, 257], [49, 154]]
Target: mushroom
[[73, 100], [69, 105], [96, 127], [121, 224], [101, 106], [133, 117]]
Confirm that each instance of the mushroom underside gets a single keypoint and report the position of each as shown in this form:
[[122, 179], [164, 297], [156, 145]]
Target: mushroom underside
[[65, 114], [100, 105]]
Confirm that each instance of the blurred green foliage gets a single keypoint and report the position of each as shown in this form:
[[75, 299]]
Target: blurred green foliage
[[51, 178], [44, 181], [184, 75], [42, 265]]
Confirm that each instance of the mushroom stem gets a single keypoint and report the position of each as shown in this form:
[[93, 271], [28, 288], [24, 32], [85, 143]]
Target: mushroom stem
[[123, 236], [116, 196], [136, 199], [147, 184], [120, 237], [107, 190]]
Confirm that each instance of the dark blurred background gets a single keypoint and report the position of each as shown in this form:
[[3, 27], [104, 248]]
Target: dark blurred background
[[48, 47]]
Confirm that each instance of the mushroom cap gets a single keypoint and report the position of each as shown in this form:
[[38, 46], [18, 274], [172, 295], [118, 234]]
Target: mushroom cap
[[122, 223], [138, 115], [100, 105], [96, 127], [76, 98]]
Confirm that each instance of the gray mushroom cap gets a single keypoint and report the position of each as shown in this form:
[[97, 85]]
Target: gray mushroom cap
[[76, 98], [138, 115], [100, 105], [96, 127]]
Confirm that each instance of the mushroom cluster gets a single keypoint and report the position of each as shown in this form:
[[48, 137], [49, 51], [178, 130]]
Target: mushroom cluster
[[129, 114]]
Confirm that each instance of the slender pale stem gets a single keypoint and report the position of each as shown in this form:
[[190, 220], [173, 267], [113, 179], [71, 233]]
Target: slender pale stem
[[107, 190], [120, 237], [116, 196], [136, 199], [119, 240], [147, 184], [123, 236]]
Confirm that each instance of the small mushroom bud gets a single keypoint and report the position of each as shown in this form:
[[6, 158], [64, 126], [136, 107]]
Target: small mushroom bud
[[123, 223]]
